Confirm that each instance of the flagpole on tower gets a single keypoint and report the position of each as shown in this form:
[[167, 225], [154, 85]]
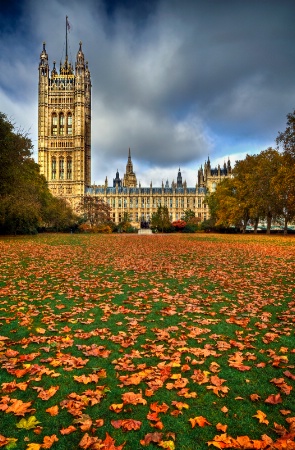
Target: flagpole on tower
[[66, 38]]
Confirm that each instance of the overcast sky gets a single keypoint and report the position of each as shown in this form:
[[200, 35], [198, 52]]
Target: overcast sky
[[174, 80]]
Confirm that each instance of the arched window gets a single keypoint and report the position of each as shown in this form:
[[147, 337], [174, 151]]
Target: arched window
[[53, 168], [69, 124], [54, 124], [69, 168], [61, 124], [61, 169]]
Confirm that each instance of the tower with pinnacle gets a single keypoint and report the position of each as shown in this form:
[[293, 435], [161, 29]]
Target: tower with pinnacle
[[129, 179], [64, 125]]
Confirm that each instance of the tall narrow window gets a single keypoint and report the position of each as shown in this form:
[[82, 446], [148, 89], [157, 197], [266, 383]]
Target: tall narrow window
[[69, 168], [69, 124], [54, 124], [61, 124], [53, 168], [61, 169]]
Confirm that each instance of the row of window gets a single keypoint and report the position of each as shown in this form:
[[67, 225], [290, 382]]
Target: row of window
[[147, 217], [61, 125], [61, 144], [146, 203], [62, 99], [61, 169]]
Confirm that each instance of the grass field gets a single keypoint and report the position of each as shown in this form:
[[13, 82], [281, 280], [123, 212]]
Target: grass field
[[142, 342]]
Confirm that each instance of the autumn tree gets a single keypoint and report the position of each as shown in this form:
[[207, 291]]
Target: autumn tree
[[269, 163], [179, 224], [94, 211], [224, 205]]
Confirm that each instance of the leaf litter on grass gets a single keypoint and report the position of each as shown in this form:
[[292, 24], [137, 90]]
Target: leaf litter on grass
[[168, 342]]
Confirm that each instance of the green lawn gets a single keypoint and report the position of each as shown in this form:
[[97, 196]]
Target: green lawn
[[142, 342]]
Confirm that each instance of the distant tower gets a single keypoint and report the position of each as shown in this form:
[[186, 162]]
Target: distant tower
[[129, 179], [179, 179], [64, 125]]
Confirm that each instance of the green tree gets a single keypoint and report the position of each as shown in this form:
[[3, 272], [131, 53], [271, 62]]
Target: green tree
[[57, 215], [160, 219], [286, 139], [24, 194], [125, 223], [284, 182]]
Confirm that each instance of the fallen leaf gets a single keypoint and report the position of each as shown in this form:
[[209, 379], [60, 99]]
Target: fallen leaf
[[274, 399], [53, 411], [221, 427], [28, 424], [48, 441], [116, 407], [68, 430], [151, 437], [261, 417], [199, 420]]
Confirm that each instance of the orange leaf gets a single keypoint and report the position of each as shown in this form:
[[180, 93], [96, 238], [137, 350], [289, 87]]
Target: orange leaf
[[48, 441], [199, 420], [285, 412], [159, 408], [99, 422], [274, 399], [46, 394], [221, 427], [261, 417], [130, 424], [68, 430], [158, 425], [254, 397], [151, 437], [116, 407], [3, 440], [133, 399], [53, 411], [19, 408]]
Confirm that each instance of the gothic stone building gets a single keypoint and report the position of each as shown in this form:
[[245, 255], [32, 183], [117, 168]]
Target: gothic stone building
[[64, 152]]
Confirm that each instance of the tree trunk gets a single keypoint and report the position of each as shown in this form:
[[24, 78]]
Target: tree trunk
[[286, 226], [268, 221], [256, 220]]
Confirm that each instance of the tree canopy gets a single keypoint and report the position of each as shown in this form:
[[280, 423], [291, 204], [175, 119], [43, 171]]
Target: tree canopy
[[26, 203], [262, 187]]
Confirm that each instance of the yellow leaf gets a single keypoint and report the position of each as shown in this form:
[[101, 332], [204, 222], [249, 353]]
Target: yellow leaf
[[29, 423], [262, 417], [167, 444], [33, 446]]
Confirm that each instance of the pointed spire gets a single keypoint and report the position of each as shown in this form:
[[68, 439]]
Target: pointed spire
[[54, 71], [43, 65], [43, 55], [179, 179]]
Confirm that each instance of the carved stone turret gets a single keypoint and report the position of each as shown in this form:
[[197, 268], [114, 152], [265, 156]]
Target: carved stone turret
[[129, 179]]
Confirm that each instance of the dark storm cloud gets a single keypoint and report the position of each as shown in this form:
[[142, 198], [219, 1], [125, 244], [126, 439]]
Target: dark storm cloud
[[174, 80]]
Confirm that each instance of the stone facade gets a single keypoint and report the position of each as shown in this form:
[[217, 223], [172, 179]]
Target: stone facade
[[64, 126], [64, 153]]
